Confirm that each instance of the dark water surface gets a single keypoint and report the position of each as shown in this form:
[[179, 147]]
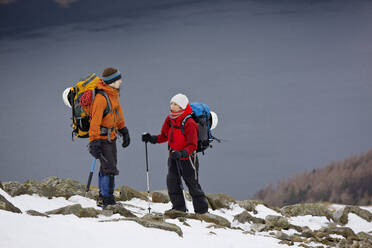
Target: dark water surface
[[290, 81]]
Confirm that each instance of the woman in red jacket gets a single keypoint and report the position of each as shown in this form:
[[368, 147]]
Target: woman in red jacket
[[183, 160]]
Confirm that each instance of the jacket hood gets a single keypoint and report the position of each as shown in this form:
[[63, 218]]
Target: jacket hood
[[188, 110], [109, 90]]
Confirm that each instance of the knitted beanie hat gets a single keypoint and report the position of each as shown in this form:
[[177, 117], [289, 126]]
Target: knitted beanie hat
[[111, 75], [181, 100]]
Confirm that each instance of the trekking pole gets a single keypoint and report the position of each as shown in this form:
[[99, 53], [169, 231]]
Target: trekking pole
[[181, 185], [147, 175], [90, 176]]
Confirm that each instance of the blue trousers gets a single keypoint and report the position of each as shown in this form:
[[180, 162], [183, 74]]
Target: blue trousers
[[106, 184]]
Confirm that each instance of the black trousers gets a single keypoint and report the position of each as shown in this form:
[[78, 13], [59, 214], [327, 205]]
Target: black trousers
[[109, 151], [190, 176]]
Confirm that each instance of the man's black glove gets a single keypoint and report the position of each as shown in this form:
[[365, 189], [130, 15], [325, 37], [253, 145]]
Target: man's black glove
[[179, 154], [146, 137], [95, 148], [126, 139]]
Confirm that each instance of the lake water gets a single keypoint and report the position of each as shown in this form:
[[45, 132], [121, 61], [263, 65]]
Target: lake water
[[290, 82]]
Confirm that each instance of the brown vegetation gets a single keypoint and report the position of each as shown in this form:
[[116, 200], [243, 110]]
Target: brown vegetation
[[347, 182]]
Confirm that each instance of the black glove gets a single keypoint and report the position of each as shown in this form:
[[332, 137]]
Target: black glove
[[146, 137], [179, 154], [126, 139], [95, 149]]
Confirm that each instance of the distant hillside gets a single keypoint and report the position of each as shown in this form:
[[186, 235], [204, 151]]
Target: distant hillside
[[347, 182]]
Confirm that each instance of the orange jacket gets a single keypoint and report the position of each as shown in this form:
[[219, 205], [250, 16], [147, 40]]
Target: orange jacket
[[114, 119]]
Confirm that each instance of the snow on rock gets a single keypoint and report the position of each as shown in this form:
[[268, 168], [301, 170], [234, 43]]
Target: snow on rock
[[24, 230]]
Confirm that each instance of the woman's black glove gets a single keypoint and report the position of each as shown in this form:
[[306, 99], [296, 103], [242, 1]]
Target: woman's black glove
[[95, 148], [146, 137], [179, 154], [126, 139]]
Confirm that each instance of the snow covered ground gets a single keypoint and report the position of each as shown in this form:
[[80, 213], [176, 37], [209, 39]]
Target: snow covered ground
[[23, 230]]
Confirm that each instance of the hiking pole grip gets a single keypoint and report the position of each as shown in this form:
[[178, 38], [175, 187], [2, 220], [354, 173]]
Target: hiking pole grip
[[90, 175]]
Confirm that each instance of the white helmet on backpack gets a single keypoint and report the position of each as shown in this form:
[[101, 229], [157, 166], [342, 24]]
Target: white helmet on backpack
[[65, 96], [214, 120]]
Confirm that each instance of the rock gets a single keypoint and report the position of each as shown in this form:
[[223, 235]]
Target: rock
[[157, 224], [160, 196], [307, 232], [76, 210], [149, 223], [246, 217], [119, 209], [211, 218], [341, 216], [346, 232], [215, 226], [154, 217], [364, 236], [53, 186], [286, 242], [314, 209], [36, 213], [282, 236], [250, 205], [257, 227], [277, 221], [8, 206], [127, 193], [218, 201], [207, 217], [49, 187], [14, 188], [296, 238], [1, 186], [174, 214]]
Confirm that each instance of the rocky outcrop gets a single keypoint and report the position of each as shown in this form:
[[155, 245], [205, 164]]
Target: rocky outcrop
[[49, 187], [76, 210], [119, 209], [341, 216], [160, 196], [127, 193], [218, 201], [8, 206], [207, 217], [150, 221], [81, 212], [36, 213], [314, 209], [247, 217], [278, 222], [250, 205]]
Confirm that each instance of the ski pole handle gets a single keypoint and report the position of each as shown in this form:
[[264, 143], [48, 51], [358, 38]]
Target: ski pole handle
[[90, 175]]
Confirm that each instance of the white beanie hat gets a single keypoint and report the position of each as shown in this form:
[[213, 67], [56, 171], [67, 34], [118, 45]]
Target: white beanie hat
[[181, 100]]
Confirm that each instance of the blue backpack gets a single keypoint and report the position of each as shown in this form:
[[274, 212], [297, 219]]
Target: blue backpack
[[202, 116]]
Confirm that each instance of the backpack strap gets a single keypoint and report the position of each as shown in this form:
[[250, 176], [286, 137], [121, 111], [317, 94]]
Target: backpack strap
[[184, 122], [108, 107]]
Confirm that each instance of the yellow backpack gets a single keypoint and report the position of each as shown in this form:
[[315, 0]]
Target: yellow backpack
[[81, 97]]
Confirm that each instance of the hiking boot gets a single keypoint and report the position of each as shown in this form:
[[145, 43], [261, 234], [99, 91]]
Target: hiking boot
[[103, 201], [109, 200], [99, 201]]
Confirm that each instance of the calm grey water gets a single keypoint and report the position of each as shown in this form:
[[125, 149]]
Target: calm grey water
[[290, 81]]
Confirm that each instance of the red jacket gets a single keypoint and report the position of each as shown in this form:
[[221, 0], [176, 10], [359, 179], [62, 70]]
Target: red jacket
[[177, 141]]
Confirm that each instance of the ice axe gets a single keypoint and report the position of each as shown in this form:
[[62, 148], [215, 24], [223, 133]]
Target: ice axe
[[93, 165]]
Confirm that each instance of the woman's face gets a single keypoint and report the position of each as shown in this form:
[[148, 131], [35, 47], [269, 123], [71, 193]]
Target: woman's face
[[116, 84], [175, 107]]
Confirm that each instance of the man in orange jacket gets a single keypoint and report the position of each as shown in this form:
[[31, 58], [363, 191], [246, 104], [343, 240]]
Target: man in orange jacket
[[103, 133]]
